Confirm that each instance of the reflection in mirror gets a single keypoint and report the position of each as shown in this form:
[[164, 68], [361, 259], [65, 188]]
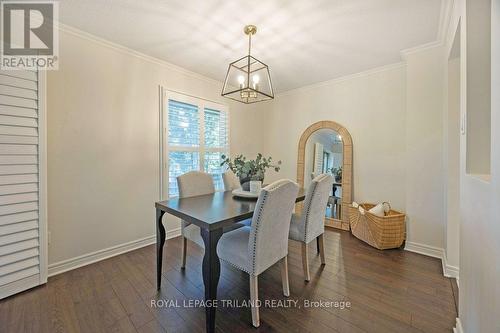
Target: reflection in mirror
[[324, 154]]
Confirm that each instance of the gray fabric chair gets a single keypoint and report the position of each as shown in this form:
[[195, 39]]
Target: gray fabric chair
[[254, 249], [192, 184], [309, 225], [231, 182]]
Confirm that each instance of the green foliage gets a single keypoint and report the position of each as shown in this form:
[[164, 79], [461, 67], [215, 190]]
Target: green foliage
[[337, 172], [250, 169]]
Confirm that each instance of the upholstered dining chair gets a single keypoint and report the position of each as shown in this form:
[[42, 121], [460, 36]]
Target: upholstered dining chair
[[231, 182], [309, 225], [192, 184], [254, 249]]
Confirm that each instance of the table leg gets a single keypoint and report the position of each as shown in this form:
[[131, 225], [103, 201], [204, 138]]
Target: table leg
[[160, 241], [211, 273]]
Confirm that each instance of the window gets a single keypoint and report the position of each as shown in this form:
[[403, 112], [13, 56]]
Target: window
[[197, 135], [326, 161]]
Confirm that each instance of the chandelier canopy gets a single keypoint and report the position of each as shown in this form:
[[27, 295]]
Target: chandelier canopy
[[248, 79]]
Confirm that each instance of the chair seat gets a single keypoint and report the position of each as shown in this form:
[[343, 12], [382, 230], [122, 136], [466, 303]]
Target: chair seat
[[332, 200], [246, 223], [296, 232], [233, 248], [192, 232]]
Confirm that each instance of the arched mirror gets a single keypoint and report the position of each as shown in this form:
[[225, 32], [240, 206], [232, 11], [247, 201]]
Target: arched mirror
[[326, 147]]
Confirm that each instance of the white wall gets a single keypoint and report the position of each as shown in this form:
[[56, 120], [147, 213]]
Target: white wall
[[479, 86], [424, 147], [103, 145], [372, 108], [395, 118], [479, 198], [452, 163]]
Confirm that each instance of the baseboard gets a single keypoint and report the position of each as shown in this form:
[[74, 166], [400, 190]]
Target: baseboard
[[89, 258], [426, 250], [435, 252], [458, 328], [449, 270]]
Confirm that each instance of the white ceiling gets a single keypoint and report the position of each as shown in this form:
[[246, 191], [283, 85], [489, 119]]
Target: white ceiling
[[302, 41]]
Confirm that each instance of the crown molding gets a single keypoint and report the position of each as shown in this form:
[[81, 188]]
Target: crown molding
[[125, 50], [424, 47], [445, 15], [343, 79]]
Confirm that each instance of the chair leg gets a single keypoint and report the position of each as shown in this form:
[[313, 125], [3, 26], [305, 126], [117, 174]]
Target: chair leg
[[305, 261], [284, 276], [184, 250], [254, 300], [317, 244], [321, 246]]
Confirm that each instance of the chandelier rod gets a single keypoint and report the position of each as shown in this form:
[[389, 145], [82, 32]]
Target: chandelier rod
[[249, 43], [250, 30]]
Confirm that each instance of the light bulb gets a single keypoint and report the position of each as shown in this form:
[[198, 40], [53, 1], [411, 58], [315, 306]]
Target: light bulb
[[255, 79], [241, 79]]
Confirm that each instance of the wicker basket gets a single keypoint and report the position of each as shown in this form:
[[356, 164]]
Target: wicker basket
[[387, 232]]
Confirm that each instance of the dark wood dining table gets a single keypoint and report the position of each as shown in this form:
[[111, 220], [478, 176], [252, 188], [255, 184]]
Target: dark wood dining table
[[211, 212]]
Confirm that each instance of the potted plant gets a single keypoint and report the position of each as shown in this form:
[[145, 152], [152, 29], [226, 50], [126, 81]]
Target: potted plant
[[337, 174], [249, 170]]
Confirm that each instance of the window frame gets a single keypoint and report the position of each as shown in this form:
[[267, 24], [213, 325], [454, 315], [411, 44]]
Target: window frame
[[165, 148]]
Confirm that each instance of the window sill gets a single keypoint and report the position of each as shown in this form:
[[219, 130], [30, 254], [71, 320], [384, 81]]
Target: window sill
[[486, 178]]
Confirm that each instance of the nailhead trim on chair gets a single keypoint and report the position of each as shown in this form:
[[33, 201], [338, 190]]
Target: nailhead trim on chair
[[236, 266], [257, 224]]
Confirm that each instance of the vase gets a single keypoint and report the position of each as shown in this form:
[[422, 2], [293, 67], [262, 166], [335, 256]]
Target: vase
[[245, 182], [255, 186]]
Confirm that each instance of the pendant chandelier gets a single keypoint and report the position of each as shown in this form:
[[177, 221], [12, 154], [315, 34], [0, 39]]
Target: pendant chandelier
[[248, 79]]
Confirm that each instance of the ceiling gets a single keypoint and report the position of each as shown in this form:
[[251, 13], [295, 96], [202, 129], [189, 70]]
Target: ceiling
[[326, 136], [302, 41]]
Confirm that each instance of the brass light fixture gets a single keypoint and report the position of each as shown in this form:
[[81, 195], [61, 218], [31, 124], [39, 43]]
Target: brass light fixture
[[248, 79]]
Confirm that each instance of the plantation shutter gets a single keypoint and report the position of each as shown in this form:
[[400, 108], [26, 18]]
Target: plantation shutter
[[216, 144], [194, 135], [318, 159], [22, 236]]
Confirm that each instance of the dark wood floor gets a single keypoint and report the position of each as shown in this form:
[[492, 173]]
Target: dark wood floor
[[390, 291]]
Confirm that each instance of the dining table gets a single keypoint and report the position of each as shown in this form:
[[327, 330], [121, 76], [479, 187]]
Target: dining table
[[211, 213]]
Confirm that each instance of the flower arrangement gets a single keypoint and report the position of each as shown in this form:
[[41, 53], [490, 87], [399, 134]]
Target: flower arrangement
[[247, 170], [337, 173]]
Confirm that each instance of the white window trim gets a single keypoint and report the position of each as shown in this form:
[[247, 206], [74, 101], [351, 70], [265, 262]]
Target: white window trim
[[165, 149]]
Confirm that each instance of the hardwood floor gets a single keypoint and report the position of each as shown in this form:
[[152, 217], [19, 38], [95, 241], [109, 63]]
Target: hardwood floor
[[389, 291]]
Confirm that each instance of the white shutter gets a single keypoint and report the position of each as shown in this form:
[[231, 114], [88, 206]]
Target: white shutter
[[23, 252], [318, 159]]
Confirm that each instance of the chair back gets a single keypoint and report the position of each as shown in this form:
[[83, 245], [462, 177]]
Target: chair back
[[231, 182], [268, 240], [313, 211], [195, 183]]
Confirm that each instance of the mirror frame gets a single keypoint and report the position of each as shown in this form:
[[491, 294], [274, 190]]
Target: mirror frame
[[346, 168]]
